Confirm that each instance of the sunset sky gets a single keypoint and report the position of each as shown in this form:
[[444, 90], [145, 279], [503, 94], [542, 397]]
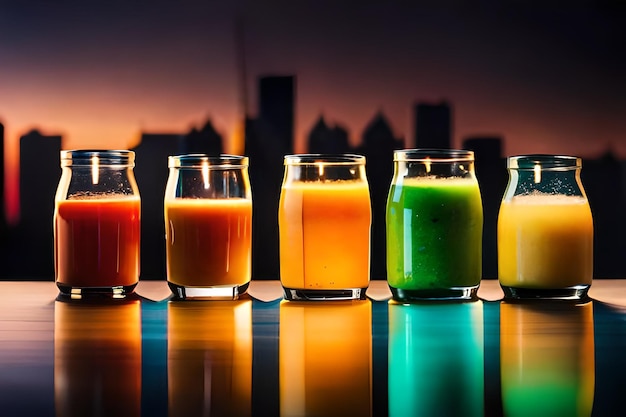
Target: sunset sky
[[548, 79]]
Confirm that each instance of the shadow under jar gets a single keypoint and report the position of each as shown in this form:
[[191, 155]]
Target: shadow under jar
[[545, 229], [208, 226], [324, 221]]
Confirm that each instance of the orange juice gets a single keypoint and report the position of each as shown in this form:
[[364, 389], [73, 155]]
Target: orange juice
[[324, 235], [208, 241], [545, 241], [97, 242]]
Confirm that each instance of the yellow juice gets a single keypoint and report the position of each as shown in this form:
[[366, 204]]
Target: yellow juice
[[325, 235], [545, 241]]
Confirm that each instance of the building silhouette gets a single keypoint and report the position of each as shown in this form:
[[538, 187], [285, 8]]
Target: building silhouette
[[268, 138], [603, 181], [205, 141], [3, 217], [490, 167], [433, 125], [40, 171], [151, 173], [377, 146], [325, 139]]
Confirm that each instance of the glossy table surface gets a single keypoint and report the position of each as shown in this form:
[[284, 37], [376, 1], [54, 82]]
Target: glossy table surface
[[148, 355]]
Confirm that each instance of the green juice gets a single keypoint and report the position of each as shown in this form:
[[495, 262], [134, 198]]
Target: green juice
[[434, 234]]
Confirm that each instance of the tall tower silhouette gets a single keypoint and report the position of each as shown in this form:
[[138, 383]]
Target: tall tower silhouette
[[40, 171], [3, 217], [378, 145], [151, 173], [490, 166], [433, 125], [268, 139]]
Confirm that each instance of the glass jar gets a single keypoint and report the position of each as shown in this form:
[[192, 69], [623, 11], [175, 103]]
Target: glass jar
[[434, 226], [324, 221], [97, 223], [545, 229], [208, 226]]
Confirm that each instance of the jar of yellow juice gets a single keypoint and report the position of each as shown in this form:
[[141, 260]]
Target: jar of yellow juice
[[545, 229]]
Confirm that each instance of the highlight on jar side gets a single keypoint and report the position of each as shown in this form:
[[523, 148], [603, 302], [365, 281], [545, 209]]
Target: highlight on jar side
[[545, 229], [97, 223], [208, 226], [434, 226], [324, 220]]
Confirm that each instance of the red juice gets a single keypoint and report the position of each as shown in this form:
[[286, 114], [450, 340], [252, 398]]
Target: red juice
[[97, 242]]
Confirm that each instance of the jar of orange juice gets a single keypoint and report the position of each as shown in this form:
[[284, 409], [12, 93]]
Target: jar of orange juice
[[545, 229], [97, 223]]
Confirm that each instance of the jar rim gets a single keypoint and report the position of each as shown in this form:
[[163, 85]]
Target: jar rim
[[432, 155], [544, 161], [324, 159], [105, 157], [199, 160]]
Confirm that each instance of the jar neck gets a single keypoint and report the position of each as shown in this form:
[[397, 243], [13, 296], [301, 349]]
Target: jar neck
[[324, 159], [433, 155], [544, 162], [435, 163], [544, 174], [101, 158], [195, 161]]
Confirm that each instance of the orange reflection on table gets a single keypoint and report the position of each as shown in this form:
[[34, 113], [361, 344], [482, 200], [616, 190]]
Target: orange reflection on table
[[547, 359], [209, 357], [97, 357], [325, 354]]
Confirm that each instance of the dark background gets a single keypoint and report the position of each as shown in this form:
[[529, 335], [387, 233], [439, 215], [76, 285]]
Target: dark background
[[498, 78]]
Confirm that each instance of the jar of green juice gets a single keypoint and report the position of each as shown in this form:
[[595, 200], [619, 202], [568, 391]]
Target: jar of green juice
[[434, 226]]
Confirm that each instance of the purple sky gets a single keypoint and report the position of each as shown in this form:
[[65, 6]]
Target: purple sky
[[548, 79]]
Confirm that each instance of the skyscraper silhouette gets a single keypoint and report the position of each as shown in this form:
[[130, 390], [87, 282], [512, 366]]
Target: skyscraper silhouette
[[490, 166], [40, 171], [603, 180], [268, 139], [433, 125], [378, 145], [3, 218], [151, 173]]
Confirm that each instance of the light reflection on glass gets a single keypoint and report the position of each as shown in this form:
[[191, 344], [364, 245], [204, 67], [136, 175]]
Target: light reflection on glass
[[436, 359], [97, 357], [209, 358], [547, 359], [325, 358]]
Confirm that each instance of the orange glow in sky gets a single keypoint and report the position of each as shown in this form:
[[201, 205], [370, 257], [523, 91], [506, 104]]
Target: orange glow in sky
[[100, 76]]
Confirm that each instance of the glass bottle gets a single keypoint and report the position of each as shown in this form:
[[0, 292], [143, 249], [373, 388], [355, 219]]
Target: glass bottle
[[97, 223], [545, 229], [324, 221], [434, 226], [208, 226]]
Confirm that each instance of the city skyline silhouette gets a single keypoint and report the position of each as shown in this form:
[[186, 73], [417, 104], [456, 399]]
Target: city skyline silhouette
[[27, 248]]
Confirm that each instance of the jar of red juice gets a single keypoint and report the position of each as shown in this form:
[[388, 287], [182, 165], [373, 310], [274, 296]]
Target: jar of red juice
[[97, 223]]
